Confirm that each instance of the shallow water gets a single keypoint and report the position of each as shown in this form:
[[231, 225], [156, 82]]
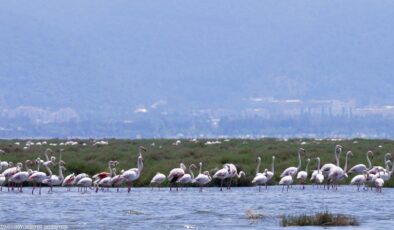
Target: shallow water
[[190, 209]]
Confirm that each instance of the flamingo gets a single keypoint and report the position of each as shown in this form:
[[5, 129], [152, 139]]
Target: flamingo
[[85, 183], [360, 168], [99, 176], [303, 175], [293, 170], [337, 173], [202, 178], [175, 174], [78, 178], [222, 174], [379, 182], [21, 176], [107, 181], [360, 180], [376, 169], [69, 181], [134, 173], [187, 178], [317, 176], [55, 180], [8, 173], [38, 177], [286, 181], [158, 179], [233, 173], [326, 168], [270, 174], [117, 180], [2, 181], [261, 179]]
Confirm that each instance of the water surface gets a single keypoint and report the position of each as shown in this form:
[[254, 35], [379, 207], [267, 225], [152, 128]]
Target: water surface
[[190, 209]]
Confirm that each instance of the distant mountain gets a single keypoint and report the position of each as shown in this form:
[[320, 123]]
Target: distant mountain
[[105, 60]]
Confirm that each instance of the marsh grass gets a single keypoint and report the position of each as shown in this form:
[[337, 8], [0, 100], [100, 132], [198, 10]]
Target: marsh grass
[[319, 219], [164, 156]]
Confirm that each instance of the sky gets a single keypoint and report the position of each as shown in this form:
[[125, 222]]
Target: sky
[[99, 57]]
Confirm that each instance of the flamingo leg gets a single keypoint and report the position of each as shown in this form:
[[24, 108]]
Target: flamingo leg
[[221, 185]]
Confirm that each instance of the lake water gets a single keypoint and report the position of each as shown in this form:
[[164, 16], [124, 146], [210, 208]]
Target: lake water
[[190, 209]]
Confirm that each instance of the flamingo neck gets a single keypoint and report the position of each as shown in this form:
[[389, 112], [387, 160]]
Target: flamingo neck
[[61, 173], [346, 159], [273, 165], [337, 157], [258, 166], [49, 170], [191, 171], [307, 164], [318, 165], [369, 161], [140, 165], [299, 160], [199, 172]]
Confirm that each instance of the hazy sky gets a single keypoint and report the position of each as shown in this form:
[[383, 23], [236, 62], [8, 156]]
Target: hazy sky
[[97, 54]]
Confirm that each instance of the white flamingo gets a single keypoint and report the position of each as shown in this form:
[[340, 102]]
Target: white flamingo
[[270, 174], [261, 179], [360, 180], [293, 170], [85, 183], [233, 173], [175, 174], [360, 168], [302, 176], [21, 176], [202, 178], [78, 178], [158, 179], [286, 181], [2, 181], [38, 177], [8, 173], [337, 174], [69, 181], [187, 177], [107, 181], [117, 180], [55, 180], [325, 169], [379, 182], [133, 174], [317, 176], [376, 169], [222, 174]]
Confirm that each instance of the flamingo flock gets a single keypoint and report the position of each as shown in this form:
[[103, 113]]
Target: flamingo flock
[[329, 175]]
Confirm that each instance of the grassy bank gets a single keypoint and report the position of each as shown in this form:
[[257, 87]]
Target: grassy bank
[[319, 219], [163, 155]]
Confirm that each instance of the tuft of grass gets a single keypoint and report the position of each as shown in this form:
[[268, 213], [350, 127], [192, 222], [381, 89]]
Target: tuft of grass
[[319, 219], [253, 216]]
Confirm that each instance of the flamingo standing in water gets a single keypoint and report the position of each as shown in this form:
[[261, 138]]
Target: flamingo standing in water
[[55, 180], [134, 173], [302, 176], [38, 177], [117, 180], [187, 177], [99, 176], [222, 174], [107, 181], [270, 174], [326, 168], [233, 173], [360, 180], [337, 174], [293, 170], [85, 183], [260, 178], [175, 174], [360, 168], [69, 181], [202, 178], [78, 178], [286, 181], [21, 176], [8, 173], [317, 176], [158, 179]]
